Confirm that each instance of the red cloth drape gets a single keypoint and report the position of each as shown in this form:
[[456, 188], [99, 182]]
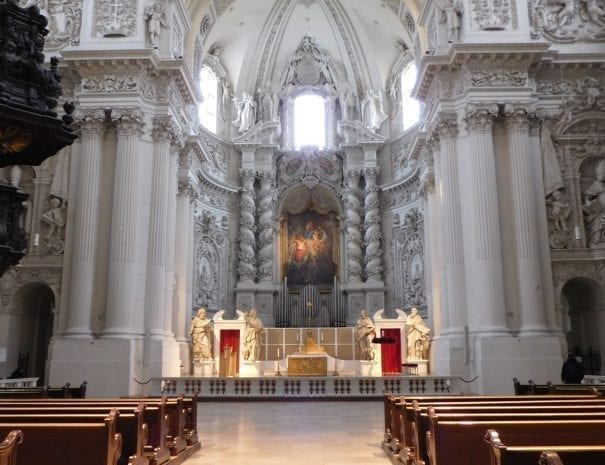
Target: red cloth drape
[[230, 338], [391, 352]]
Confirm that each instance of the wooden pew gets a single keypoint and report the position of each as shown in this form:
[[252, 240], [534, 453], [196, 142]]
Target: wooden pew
[[501, 454], [456, 442], [411, 433], [130, 425], [156, 447], [92, 443], [531, 388], [167, 419], [8, 447]]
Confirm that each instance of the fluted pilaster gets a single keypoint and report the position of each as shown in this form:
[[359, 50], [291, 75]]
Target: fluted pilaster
[[86, 217], [527, 248], [183, 250], [171, 236], [353, 224], [247, 226], [124, 299], [163, 132], [372, 226], [266, 226], [486, 310], [451, 226]]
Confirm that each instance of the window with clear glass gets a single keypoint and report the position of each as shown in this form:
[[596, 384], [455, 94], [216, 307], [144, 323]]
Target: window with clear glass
[[208, 108], [309, 121], [410, 107]]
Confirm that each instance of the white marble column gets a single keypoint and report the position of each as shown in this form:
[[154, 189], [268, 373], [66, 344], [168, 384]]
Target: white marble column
[[266, 232], [373, 227], [183, 250], [247, 226], [485, 285], [125, 306], [353, 224], [527, 247], [86, 215], [433, 234], [451, 225], [171, 237], [163, 132]]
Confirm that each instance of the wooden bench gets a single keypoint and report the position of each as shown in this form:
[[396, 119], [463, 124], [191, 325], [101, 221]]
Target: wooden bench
[[33, 392], [18, 382], [531, 388], [501, 454], [68, 443], [8, 447], [399, 442], [172, 422], [130, 425], [456, 442]]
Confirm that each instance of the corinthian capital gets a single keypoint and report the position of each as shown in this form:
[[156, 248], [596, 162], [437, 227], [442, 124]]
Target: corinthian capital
[[446, 125], [90, 122], [165, 129], [480, 117], [517, 116], [128, 121]]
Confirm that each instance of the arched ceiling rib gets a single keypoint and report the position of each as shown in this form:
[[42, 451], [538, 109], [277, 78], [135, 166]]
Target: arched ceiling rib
[[261, 35]]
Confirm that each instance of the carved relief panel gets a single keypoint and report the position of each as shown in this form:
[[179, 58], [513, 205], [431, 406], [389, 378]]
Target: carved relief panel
[[114, 18], [407, 247], [210, 275]]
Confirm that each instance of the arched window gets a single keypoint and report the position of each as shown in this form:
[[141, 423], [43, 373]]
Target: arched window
[[410, 107], [309, 121], [208, 108]]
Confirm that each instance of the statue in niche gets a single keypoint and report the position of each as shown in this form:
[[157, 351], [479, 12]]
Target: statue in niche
[[201, 336], [252, 336], [417, 336], [348, 105], [246, 113], [268, 105], [155, 16], [560, 209], [366, 332], [55, 217], [451, 10], [371, 110], [594, 206]]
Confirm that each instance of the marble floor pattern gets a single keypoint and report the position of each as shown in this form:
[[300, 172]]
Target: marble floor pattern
[[290, 433]]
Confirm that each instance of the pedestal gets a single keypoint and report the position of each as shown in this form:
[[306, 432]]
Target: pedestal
[[367, 367], [250, 369], [205, 368], [423, 367]]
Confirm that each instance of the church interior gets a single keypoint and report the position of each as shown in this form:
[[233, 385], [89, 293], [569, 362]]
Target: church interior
[[363, 189]]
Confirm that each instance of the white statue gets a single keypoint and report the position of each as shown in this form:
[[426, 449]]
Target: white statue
[[156, 18], [201, 336], [55, 217], [268, 105], [450, 12], [252, 336], [348, 106], [371, 110], [417, 336], [246, 111], [594, 206], [365, 334], [560, 209]]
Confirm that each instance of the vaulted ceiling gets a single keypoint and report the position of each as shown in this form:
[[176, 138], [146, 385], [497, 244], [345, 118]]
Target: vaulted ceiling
[[257, 37]]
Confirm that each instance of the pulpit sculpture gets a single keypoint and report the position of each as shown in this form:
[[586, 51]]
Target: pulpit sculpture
[[252, 336], [365, 333], [417, 336], [594, 207], [201, 336]]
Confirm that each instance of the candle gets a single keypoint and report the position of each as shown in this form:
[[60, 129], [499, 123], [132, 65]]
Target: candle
[[278, 353], [578, 233], [36, 240], [296, 337], [322, 338]]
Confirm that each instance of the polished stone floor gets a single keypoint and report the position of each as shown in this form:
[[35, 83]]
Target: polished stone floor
[[290, 433]]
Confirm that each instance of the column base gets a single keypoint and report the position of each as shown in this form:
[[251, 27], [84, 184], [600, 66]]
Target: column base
[[110, 366], [497, 360]]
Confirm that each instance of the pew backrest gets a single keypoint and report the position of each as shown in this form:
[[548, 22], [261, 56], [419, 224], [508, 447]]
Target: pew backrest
[[8, 447]]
